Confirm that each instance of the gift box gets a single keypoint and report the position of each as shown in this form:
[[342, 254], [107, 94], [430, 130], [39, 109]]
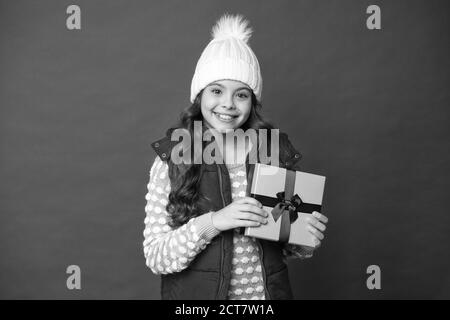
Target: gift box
[[289, 197]]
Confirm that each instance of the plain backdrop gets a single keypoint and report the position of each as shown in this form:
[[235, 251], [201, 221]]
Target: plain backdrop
[[369, 109]]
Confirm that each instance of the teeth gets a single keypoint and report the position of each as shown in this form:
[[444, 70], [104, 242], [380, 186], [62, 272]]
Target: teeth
[[224, 117]]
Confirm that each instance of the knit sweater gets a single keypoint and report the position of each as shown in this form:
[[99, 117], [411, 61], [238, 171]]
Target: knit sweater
[[246, 274], [169, 250]]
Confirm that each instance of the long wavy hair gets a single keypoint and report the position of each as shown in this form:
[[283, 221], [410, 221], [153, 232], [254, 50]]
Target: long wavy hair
[[185, 178]]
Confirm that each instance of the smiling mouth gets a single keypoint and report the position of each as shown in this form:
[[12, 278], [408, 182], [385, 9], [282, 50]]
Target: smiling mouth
[[224, 117]]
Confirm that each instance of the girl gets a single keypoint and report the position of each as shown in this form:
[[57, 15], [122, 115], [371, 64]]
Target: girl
[[195, 212]]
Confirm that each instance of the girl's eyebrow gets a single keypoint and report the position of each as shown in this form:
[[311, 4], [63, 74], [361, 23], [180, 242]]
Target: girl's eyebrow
[[222, 86]]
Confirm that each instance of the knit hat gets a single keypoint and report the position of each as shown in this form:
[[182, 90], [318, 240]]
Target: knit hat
[[228, 56]]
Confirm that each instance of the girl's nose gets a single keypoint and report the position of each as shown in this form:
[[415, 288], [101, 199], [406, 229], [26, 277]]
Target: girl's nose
[[228, 103]]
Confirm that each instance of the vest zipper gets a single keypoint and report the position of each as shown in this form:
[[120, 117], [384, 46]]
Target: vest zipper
[[263, 271], [220, 185], [221, 242]]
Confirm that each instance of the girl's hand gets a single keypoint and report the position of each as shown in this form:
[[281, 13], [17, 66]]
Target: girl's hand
[[316, 226], [245, 212]]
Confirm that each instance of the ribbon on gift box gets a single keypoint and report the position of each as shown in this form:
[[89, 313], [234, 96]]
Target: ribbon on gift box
[[287, 205], [291, 205]]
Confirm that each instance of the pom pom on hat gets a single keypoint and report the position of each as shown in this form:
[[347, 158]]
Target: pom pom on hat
[[228, 56], [229, 26]]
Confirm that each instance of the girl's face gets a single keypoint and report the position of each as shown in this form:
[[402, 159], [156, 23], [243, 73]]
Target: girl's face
[[226, 104]]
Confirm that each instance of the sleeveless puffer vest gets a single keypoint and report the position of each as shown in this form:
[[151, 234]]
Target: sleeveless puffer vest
[[208, 275]]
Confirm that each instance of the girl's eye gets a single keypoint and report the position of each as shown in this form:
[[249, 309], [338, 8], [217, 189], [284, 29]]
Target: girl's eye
[[216, 91], [243, 95]]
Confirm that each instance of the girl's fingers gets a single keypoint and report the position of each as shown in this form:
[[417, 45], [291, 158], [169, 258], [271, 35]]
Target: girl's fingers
[[317, 243], [244, 215], [250, 200], [248, 223], [315, 223], [253, 209], [320, 216], [316, 233]]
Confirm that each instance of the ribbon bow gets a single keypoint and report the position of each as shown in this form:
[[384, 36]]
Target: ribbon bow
[[292, 205]]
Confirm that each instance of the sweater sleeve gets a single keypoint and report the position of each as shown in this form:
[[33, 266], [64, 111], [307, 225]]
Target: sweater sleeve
[[169, 250], [293, 251]]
